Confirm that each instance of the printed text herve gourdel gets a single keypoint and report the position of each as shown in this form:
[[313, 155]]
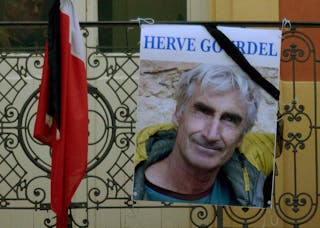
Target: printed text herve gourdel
[[190, 44]]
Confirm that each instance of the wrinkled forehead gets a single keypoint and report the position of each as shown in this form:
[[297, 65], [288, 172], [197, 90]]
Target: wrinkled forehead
[[215, 88], [209, 95]]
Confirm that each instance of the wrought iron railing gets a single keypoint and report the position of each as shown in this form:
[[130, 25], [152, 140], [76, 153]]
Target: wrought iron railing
[[112, 78]]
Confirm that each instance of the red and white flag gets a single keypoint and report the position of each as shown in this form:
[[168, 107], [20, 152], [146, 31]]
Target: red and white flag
[[62, 116]]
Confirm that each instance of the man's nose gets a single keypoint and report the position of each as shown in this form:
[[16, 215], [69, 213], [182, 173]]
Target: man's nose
[[212, 130]]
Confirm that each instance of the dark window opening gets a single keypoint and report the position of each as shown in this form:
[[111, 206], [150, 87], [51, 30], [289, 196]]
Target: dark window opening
[[125, 10], [23, 10]]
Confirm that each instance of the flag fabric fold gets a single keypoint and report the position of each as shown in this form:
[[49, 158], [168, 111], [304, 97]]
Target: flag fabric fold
[[62, 115]]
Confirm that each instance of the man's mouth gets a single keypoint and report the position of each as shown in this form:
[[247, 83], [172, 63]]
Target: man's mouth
[[209, 147]]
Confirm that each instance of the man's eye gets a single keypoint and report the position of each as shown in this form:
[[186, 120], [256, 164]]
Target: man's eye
[[229, 119], [205, 111], [234, 119]]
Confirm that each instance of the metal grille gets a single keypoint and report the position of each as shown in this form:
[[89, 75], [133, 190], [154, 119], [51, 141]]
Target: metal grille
[[112, 77]]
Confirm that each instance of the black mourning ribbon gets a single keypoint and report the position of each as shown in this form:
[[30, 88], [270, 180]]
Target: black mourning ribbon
[[235, 54], [54, 56]]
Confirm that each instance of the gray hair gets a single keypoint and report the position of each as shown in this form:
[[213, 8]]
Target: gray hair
[[219, 79]]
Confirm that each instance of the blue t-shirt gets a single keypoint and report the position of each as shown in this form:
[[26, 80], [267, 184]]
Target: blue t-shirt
[[219, 194]]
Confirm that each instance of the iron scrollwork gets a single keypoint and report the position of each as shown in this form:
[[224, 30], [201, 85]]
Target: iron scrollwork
[[298, 207]]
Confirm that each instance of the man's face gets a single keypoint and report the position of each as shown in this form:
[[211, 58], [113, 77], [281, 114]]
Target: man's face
[[210, 128]]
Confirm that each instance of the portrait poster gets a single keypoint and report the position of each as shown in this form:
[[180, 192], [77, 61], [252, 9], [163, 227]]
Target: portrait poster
[[244, 177]]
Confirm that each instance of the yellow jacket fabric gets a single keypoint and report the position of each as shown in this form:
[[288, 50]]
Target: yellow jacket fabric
[[143, 136]]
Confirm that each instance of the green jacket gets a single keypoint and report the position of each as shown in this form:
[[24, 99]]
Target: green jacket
[[245, 177]]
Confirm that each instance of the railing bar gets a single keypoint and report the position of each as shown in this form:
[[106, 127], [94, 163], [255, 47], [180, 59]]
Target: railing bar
[[136, 23]]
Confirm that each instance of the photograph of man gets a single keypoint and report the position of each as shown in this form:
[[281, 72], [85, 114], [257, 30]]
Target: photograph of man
[[207, 155]]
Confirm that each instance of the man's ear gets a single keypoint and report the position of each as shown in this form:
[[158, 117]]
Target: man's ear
[[240, 141], [175, 117]]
